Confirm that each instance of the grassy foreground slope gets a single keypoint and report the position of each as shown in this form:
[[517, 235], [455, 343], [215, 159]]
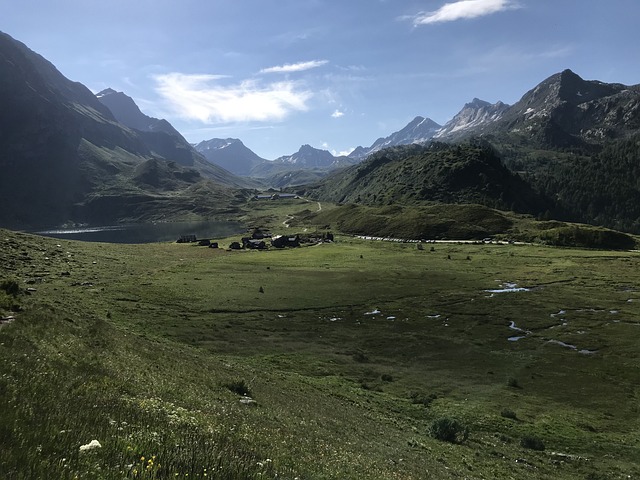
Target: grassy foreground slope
[[331, 361]]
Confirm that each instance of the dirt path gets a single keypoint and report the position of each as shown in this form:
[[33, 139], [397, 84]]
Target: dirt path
[[290, 217]]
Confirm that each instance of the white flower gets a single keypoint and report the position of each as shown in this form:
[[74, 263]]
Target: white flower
[[90, 446]]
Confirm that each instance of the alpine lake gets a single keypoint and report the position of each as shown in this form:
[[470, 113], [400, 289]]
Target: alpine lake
[[146, 232]]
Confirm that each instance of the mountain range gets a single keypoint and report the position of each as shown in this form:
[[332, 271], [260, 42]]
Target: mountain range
[[295, 169], [68, 156], [562, 111]]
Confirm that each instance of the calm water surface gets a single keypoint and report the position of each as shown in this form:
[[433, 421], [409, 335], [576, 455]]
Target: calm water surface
[[148, 232]]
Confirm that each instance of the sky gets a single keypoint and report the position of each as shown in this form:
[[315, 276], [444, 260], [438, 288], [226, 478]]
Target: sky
[[333, 74]]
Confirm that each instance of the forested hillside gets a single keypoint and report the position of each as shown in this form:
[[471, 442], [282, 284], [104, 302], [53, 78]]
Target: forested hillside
[[464, 173]]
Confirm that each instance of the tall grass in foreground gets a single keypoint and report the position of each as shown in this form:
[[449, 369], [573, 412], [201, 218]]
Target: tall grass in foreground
[[51, 407]]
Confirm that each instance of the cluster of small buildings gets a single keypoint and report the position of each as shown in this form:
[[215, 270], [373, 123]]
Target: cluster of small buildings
[[260, 240]]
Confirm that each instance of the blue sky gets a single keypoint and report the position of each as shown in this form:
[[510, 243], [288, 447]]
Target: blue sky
[[331, 73]]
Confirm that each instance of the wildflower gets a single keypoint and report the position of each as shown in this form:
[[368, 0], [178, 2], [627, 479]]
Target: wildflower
[[90, 446]]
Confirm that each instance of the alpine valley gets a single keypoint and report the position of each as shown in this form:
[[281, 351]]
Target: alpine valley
[[456, 301]]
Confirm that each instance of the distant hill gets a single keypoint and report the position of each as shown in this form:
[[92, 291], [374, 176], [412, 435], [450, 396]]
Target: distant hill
[[309, 157], [289, 168], [469, 173], [61, 149]]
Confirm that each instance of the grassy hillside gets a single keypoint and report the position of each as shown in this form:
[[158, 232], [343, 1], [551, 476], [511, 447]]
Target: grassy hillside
[[342, 360], [462, 222], [467, 173]]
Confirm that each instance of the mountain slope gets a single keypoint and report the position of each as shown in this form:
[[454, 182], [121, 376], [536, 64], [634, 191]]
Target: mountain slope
[[164, 141], [128, 113], [60, 148], [562, 111], [565, 110]]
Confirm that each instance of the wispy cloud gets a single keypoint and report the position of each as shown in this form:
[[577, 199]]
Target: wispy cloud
[[501, 56], [463, 9], [205, 98], [337, 114], [295, 67]]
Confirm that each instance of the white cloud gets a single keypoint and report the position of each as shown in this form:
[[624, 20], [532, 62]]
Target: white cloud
[[342, 153], [203, 98], [337, 114], [295, 67], [463, 9]]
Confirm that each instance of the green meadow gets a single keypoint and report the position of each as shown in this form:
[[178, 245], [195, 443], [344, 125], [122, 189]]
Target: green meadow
[[342, 360]]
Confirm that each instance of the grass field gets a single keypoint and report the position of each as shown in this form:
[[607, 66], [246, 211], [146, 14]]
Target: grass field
[[326, 362]]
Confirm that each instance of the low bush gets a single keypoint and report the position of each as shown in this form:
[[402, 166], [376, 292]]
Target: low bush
[[513, 383], [10, 287], [449, 430], [508, 413], [532, 442], [240, 387], [419, 398]]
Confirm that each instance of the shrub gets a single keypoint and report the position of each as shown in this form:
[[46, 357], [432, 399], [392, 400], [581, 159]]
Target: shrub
[[8, 302], [508, 413], [532, 442], [419, 398], [240, 387], [449, 430], [513, 383], [11, 287], [360, 357]]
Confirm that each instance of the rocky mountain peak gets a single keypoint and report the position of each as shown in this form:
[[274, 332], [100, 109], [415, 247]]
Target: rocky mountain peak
[[106, 91], [477, 103], [476, 114]]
